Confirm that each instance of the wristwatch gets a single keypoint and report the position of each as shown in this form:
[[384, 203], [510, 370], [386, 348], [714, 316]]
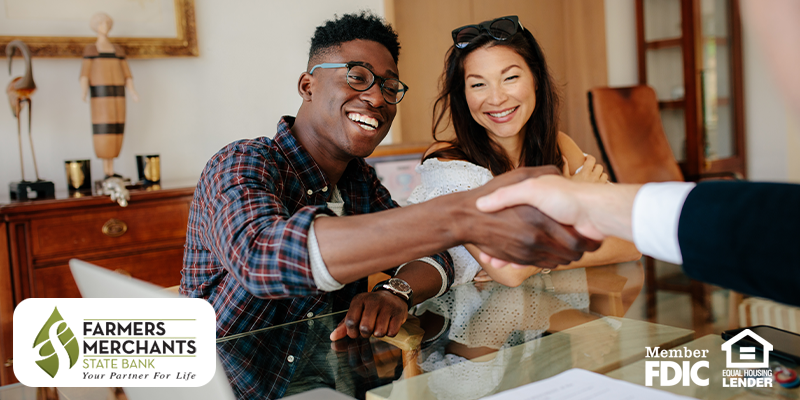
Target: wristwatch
[[398, 287]]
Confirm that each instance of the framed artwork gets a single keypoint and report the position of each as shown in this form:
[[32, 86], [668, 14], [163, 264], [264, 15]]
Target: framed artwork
[[397, 173], [60, 28]]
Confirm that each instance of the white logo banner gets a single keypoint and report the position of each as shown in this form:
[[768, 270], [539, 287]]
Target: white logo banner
[[114, 342]]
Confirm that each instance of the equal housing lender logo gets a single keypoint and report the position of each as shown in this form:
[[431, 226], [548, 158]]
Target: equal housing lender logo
[[743, 369], [167, 342]]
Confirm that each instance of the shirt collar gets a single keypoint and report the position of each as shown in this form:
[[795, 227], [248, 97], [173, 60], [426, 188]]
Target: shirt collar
[[305, 166]]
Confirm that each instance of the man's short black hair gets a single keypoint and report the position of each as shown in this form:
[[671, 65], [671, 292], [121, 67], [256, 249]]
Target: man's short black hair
[[363, 25]]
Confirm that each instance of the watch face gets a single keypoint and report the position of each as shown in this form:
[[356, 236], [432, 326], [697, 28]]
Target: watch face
[[399, 285]]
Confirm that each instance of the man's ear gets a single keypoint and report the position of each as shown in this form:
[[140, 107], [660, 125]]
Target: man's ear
[[305, 86]]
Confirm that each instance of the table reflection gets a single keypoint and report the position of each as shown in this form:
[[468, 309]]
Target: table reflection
[[459, 337]]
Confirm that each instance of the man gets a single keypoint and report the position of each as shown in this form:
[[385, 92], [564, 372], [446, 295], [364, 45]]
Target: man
[[261, 244], [738, 235]]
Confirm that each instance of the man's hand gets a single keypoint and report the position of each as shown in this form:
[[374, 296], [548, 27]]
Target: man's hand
[[369, 359], [378, 313], [557, 197], [520, 234], [596, 211]]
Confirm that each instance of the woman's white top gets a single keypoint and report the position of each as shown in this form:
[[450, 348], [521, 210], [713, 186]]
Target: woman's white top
[[445, 177], [496, 317]]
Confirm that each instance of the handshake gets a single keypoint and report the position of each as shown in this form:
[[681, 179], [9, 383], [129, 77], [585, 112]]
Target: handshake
[[536, 217], [529, 217]]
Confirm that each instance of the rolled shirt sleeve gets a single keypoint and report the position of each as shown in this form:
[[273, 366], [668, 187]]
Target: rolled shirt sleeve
[[322, 277], [434, 264]]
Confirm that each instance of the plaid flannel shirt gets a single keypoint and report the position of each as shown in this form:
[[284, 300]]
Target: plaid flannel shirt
[[246, 250]]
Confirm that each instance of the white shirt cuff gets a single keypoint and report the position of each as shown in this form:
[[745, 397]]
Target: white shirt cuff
[[656, 213], [435, 265], [322, 278]]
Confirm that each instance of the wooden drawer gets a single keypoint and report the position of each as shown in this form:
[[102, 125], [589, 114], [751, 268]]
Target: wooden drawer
[[58, 282], [109, 227]]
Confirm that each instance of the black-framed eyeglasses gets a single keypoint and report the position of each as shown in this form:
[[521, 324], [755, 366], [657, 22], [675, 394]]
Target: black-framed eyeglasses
[[361, 79], [499, 29]]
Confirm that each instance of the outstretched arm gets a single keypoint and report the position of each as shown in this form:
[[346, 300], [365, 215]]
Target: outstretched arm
[[357, 246]]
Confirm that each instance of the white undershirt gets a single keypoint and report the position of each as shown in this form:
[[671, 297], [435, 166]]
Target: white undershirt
[[655, 216], [323, 278]]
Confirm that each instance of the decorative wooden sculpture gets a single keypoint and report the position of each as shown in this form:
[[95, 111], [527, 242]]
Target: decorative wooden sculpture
[[105, 74], [19, 93]]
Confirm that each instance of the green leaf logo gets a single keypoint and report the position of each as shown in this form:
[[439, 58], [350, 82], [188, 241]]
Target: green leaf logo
[[55, 345]]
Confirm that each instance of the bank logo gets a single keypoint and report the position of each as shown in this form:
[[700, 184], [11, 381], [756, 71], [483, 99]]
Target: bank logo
[[55, 347], [746, 353]]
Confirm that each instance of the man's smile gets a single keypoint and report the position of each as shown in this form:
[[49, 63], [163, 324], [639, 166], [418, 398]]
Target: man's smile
[[364, 121]]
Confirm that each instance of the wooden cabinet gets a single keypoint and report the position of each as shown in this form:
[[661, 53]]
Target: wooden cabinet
[[690, 53], [37, 240]]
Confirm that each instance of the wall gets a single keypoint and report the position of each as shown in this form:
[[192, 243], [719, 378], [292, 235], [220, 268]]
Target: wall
[[766, 118], [251, 54], [793, 147], [772, 138], [621, 43]]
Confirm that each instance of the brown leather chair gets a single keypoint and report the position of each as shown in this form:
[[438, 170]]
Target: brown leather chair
[[627, 124]]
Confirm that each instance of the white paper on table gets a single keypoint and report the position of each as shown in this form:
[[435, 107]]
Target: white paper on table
[[579, 384]]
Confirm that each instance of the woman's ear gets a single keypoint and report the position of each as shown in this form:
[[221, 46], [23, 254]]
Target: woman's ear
[[305, 86]]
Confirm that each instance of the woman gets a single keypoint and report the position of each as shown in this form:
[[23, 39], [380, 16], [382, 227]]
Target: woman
[[503, 103]]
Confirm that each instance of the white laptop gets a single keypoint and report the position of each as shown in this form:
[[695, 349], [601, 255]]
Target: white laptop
[[97, 282]]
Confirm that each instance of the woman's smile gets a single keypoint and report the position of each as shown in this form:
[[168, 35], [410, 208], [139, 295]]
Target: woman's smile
[[502, 116]]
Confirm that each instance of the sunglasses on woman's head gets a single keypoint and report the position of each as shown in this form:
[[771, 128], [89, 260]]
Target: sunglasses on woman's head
[[499, 29]]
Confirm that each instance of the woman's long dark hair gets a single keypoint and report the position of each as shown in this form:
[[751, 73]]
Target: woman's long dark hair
[[472, 143]]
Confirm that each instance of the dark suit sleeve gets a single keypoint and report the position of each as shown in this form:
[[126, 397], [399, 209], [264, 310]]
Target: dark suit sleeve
[[744, 236]]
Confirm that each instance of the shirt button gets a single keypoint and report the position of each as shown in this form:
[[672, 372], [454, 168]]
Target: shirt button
[[325, 189], [310, 192], [290, 359], [310, 323], [309, 315]]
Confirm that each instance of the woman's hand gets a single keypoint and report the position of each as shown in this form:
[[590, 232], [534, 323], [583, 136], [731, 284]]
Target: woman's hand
[[590, 171], [482, 276]]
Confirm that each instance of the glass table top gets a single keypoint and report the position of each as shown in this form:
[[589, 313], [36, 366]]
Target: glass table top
[[475, 340]]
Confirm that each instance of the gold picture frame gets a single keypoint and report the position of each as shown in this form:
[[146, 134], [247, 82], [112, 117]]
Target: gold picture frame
[[184, 45]]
